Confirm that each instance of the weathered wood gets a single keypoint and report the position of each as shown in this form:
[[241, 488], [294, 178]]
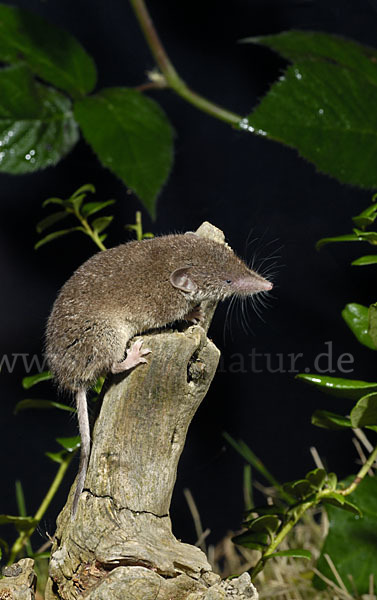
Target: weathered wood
[[121, 544], [19, 581]]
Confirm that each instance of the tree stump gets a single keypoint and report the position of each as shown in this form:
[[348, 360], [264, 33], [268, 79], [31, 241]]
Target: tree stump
[[120, 544]]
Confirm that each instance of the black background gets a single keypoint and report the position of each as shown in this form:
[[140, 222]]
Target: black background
[[267, 200]]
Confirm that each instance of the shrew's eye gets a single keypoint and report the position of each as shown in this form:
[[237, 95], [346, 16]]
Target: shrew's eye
[[228, 281]]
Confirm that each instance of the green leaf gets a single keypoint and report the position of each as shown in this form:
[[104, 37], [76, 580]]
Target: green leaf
[[56, 234], [50, 52], [366, 217], [317, 478], [301, 488], [356, 316], [372, 323], [292, 553], [340, 501], [87, 187], [351, 541], [20, 523], [36, 124], [329, 420], [75, 202], [101, 223], [51, 220], [369, 259], [350, 237], [43, 404], [131, 136], [332, 481], [253, 540], [32, 380], [57, 457], [339, 386], [324, 105], [365, 411], [70, 444], [97, 387], [367, 236], [52, 201], [92, 207], [312, 45], [264, 524]]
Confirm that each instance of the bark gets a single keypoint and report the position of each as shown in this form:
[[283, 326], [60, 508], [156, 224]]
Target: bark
[[120, 544]]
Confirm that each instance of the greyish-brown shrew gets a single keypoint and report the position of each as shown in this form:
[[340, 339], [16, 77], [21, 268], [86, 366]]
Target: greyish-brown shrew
[[125, 291]]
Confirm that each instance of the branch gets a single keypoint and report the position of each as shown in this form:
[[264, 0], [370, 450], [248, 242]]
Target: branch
[[172, 78]]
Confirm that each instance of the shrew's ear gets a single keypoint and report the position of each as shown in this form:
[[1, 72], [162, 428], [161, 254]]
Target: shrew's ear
[[180, 279]]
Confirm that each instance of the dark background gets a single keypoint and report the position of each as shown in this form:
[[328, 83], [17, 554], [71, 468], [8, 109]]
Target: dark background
[[268, 201]]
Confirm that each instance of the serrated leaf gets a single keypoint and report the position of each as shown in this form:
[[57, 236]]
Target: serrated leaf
[[255, 541], [369, 259], [101, 223], [92, 207], [339, 386], [324, 105], [330, 420], [356, 316], [51, 220], [317, 478], [292, 553], [32, 380], [36, 124], [349, 237], [131, 136], [70, 444], [32, 403], [20, 523], [56, 234], [365, 411], [50, 52], [351, 541], [312, 45], [372, 323]]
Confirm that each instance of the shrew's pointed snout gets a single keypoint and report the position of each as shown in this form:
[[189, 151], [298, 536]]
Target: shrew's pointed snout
[[265, 285], [252, 284]]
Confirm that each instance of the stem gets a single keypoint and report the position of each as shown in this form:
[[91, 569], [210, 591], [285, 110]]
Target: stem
[[279, 538], [92, 234], [361, 474], [173, 80], [25, 535]]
